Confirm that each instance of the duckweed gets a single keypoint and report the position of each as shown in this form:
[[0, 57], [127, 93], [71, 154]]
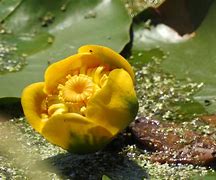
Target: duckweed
[[10, 60]]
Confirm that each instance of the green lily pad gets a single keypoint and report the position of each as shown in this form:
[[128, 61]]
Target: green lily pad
[[209, 176], [42, 32], [191, 57], [7, 7], [196, 59]]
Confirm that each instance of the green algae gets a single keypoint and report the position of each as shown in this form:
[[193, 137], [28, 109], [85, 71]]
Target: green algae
[[134, 7], [14, 51], [10, 60], [163, 96], [22, 151]]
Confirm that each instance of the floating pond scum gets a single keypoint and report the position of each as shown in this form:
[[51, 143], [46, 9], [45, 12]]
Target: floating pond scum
[[10, 60], [175, 86]]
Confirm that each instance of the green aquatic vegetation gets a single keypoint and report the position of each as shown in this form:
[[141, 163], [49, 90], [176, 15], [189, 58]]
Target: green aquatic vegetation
[[163, 96], [136, 6], [10, 60], [23, 150]]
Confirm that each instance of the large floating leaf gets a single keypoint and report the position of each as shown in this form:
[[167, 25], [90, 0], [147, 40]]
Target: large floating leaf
[[193, 58], [45, 31], [196, 58], [7, 7]]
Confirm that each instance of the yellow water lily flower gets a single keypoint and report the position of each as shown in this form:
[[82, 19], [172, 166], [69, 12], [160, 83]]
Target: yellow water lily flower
[[85, 100]]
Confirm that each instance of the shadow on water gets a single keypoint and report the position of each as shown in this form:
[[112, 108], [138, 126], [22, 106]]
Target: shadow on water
[[10, 108], [94, 166], [108, 162]]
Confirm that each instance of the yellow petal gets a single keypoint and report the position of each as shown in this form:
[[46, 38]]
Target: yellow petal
[[59, 70], [88, 56], [116, 105], [32, 101], [76, 133], [108, 56]]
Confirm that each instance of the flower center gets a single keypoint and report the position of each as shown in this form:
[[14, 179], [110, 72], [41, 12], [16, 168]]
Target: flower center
[[77, 89], [74, 94]]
